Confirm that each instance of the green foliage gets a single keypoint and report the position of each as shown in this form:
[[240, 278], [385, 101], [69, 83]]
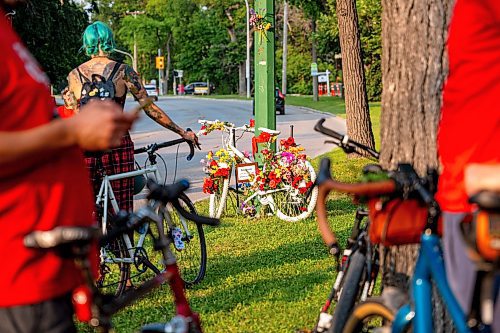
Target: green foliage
[[207, 38], [52, 32]]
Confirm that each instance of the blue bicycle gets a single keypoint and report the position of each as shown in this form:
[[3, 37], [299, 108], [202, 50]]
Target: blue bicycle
[[374, 316]]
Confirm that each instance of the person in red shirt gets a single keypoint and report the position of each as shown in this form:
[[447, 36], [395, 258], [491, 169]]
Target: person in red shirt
[[469, 129], [43, 184]]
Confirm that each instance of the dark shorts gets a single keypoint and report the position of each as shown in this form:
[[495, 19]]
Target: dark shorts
[[52, 316], [460, 270]]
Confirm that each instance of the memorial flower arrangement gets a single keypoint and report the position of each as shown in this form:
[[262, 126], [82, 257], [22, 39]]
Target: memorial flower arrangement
[[260, 24], [217, 125], [217, 166], [287, 167]]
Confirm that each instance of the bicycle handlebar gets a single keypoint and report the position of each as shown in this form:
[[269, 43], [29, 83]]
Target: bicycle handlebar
[[171, 193], [326, 184], [343, 141], [152, 148], [60, 236]]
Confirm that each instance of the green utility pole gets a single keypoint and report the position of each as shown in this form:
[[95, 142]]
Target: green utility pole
[[265, 113]]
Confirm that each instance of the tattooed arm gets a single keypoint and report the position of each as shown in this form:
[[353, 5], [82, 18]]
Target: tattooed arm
[[69, 93], [133, 83]]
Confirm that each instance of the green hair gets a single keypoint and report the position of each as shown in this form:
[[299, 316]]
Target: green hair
[[98, 36]]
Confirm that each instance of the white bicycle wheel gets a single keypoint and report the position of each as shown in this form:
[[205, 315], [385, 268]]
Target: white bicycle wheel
[[293, 206], [218, 200]]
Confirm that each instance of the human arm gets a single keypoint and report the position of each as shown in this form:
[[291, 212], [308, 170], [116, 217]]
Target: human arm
[[69, 93], [134, 85], [22, 150], [482, 177]]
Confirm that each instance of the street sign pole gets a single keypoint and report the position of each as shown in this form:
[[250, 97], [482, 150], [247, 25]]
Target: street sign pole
[[328, 82], [265, 113], [160, 82]]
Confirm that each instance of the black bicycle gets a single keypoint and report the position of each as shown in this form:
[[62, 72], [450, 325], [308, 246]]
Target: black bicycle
[[359, 265]]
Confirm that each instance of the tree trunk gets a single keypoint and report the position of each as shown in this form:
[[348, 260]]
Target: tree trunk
[[285, 47], [414, 68], [242, 65], [359, 126], [314, 59], [169, 61]]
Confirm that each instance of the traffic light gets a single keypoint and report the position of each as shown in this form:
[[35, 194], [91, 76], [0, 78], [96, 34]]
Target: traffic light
[[160, 62]]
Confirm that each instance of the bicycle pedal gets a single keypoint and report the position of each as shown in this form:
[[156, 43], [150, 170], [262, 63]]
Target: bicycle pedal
[[177, 236]]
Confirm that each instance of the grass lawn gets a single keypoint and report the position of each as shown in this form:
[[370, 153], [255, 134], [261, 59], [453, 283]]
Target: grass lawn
[[263, 275]]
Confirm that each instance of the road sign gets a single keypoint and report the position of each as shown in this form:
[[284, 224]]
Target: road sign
[[178, 73], [314, 69], [160, 62], [322, 78]]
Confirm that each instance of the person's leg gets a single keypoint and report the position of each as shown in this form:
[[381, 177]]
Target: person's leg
[[460, 270], [52, 316]]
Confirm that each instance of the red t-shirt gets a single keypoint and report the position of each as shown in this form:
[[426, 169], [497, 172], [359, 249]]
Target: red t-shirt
[[469, 130], [56, 192]]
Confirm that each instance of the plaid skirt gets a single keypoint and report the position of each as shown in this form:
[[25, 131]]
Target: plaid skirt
[[115, 161]]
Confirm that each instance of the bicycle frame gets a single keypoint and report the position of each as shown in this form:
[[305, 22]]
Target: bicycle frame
[[430, 265]]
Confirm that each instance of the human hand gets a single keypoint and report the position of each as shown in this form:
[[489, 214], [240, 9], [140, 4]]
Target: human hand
[[100, 125], [191, 136]]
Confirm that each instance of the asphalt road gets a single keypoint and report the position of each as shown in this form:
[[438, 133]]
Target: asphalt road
[[186, 111]]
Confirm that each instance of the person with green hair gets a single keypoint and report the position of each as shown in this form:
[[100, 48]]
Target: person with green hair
[[99, 43], [116, 79]]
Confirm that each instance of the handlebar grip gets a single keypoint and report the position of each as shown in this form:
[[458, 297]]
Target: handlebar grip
[[194, 217], [167, 193], [60, 236], [191, 147], [320, 128], [141, 150], [324, 171]]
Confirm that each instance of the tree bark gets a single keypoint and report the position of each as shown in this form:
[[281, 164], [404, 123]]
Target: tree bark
[[169, 61], [414, 68], [359, 126]]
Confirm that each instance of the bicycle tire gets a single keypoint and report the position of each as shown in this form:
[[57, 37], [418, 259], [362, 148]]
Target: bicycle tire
[[350, 290], [218, 200], [192, 259], [363, 314], [293, 206], [106, 281]]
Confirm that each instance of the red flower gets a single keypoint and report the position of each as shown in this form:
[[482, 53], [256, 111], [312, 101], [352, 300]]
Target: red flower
[[252, 123], [203, 127], [264, 137], [209, 186], [213, 163], [286, 144], [296, 181], [272, 184], [222, 172]]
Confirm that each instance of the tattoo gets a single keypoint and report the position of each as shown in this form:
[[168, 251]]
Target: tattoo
[[133, 83]]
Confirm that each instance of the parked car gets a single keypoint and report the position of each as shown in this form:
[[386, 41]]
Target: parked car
[[152, 91], [198, 88], [279, 100]]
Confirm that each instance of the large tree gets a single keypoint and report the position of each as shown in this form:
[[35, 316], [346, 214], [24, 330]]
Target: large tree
[[414, 68], [356, 100], [52, 32]]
